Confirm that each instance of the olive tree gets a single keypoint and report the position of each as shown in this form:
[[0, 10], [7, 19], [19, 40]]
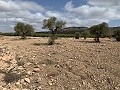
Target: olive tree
[[117, 35], [53, 25], [98, 30], [85, 34], [23, 29]]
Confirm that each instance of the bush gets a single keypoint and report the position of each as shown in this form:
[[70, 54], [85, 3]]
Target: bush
[[77, 35], [51, 40], [85, 34], [118, 38]]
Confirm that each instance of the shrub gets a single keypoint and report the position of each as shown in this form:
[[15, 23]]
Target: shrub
[[23, 30], [118, 38], [51, 40], [98, 30], [77, 35], [85, 34], [53, 25]]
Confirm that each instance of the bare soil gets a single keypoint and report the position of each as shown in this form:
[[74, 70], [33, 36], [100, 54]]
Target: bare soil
[[70, 64]]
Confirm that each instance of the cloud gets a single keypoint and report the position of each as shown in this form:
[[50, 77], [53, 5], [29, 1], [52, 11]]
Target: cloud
[[26, 11], [106, 3], [19, 5], [93, 12]]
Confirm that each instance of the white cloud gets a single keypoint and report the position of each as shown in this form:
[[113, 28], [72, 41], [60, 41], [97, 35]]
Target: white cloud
[[94, 12], [19, 5], [106, 3]]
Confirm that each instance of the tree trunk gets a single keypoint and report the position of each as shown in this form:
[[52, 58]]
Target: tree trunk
[[97, 39], [23, 36]]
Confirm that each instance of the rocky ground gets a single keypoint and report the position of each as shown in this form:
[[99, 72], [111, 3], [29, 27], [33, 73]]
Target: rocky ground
[[70, 64]]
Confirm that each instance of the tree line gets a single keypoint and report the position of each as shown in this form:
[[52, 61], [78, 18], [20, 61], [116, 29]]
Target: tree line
[[97, 31]]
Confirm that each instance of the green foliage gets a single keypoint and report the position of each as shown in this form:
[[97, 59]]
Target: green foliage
[[23, 30], [51, 40], [85, 34], [77, 35], [53, 25], [117, 35], [118, 38], [99, 30]]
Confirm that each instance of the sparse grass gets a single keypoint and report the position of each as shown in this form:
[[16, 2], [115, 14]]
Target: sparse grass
[[11, 77]]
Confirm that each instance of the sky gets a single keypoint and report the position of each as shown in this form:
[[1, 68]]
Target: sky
[[76, 13]]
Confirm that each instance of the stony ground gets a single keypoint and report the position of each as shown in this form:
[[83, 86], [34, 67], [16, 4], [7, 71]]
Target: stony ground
[[68, 65]]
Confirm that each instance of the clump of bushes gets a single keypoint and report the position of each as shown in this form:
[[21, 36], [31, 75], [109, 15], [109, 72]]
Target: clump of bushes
[[118, 38], [117, 35], [51, 40], [77, 35], [98, 30], [23, 30], [85, 34]]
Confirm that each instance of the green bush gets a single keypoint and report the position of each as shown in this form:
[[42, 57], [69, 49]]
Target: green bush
[[118, 38], [77, 35], [51, 40]]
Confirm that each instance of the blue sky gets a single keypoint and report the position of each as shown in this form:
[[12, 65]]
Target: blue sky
[[75, 12], [58, 4]]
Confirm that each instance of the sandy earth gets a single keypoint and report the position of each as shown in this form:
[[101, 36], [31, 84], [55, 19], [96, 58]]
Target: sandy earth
[[70, 64]]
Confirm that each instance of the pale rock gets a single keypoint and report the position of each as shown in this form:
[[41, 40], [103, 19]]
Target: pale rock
[[36, 69], [50, 83], [29, 72], [27, 80], [6, 57], [25, 89], [17, 83], [4, 89], [20, 68], [22, 81], [44, 65]]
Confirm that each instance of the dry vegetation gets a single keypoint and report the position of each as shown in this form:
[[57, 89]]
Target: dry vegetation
[[70, 64]]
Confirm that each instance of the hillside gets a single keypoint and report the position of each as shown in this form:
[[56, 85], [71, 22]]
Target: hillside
[[72, 30]]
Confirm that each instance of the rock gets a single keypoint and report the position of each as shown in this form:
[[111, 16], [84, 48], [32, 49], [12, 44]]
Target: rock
[[1, 87], [4, 89], [6, 57], [20, 68], [25, 89], [22, 81], [27, 80], [36, 69], [28, 63], [44, 65], [50, 83], [17, 83], [29, 73]]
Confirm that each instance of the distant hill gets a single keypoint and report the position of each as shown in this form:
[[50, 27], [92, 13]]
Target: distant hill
[[69, 30], [115, 28], [72, 30]]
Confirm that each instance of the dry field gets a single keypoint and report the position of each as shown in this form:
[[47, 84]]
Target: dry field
[[70, 64]]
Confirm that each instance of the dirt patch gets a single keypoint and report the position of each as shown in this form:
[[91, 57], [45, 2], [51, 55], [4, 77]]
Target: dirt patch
[[70, 65]]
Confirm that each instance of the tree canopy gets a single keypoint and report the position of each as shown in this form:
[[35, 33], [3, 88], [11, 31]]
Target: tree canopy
[[53, 25], [23, 29], [98, 30]]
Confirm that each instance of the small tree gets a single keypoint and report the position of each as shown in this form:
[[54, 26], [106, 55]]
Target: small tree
[[53, 25], [23, 30], [117, 35], [85, 34], [98, 30], [110, 34], [77, 35]]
